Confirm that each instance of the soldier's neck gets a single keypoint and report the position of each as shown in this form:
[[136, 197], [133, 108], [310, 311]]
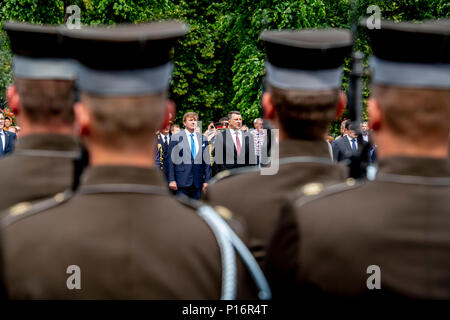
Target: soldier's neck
[[28, 127], [101, 156], [388, 145]]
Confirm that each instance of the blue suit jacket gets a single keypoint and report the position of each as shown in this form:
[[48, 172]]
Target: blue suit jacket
[[10, 140], [182, 168]]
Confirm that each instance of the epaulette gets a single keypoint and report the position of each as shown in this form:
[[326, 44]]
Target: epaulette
[[315, 191], [24, 210], [224, 212], [230, 173]]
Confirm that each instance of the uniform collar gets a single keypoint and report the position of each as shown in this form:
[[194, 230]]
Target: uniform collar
[[296, 148], [122, 175], [46, 141], [415, 166]]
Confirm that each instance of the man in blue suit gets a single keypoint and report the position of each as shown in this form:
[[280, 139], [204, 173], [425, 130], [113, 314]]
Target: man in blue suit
[[7, 139], [189, 162]]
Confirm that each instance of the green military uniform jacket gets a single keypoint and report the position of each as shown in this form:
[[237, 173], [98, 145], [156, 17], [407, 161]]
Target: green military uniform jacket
[[396, 227], [41, 166], [128, 244], [258, 198]]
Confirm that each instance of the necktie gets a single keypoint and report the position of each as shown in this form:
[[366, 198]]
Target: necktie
[[192, 146], [165, 141], [354, 144], [238, 144]]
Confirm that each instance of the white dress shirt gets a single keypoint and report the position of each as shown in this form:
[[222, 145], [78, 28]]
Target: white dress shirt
[[233, 135], [2, 136], [365, 137], [188, 134], [350, 141], [163, 137]]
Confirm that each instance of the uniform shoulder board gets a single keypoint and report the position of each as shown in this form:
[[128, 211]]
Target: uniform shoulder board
[[230, 173], [23, 210], [224, 212], [315, 191], [189, 202]]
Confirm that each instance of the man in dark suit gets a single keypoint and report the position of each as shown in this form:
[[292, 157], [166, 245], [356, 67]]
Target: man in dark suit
[[398, 245], [162, 148], [234, 148], [189, 162], [344, 148], [7, 139]]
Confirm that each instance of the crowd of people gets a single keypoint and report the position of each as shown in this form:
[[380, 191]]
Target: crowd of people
[[255, 214], [254, 142]]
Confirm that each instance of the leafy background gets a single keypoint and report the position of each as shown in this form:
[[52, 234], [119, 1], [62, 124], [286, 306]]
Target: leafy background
[[219, 66]]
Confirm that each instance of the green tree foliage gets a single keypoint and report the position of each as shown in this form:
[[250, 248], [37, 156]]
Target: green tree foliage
[[219, 66]]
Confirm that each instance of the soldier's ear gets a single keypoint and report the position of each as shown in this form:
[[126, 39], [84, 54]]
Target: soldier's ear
[[169, 114], [375, 114], [267, 103], [13, 99], [83, 119], [342, 104]]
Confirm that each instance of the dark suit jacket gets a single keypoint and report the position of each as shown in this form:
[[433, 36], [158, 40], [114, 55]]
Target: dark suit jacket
[[225, 153], [161, 155], [342, 150], [10, 140], [182, 168]]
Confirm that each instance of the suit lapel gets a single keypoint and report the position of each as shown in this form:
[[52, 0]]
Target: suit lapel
[[347, 144], [185, 141]]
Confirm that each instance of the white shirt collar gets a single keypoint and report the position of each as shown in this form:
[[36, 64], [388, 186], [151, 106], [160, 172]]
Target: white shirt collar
[[188, 133], [350, 138]]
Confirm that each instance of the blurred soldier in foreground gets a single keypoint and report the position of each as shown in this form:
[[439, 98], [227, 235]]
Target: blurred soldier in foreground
[[304, 71], [398, 244], [42, 97], [121, 234]]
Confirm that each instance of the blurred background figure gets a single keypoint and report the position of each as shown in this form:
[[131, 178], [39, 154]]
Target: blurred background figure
[[223, 124], [211, 132], [259, 136], [365, 131], [345, 147], [174, 128], [7, 124]]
